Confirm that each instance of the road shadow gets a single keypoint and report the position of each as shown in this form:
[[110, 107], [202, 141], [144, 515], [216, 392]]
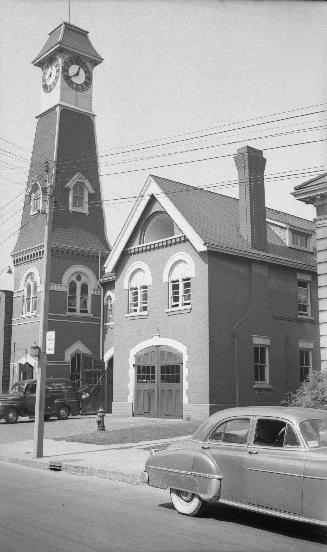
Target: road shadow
[[271, 524]]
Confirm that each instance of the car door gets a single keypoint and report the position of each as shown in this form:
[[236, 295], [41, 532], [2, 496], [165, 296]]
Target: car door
[[29, 399], [227, 444], [275, 466]]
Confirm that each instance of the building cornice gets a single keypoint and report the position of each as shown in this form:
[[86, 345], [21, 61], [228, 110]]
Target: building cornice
[[263, 256], [159, 244]]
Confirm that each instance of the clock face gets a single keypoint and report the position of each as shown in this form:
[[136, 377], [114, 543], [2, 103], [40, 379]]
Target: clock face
[[50, 74], [77, 74]]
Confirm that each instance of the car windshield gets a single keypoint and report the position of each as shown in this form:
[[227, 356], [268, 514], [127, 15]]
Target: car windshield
[[314, 432], [18, 387]]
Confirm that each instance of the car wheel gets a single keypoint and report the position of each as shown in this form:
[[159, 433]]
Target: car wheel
[[11, 416], [186, 503], [63, 413], [47, 417]]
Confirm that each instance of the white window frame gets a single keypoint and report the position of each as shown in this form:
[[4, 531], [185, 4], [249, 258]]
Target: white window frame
[[79, 278], [109, 300], [177, 286], [137, 295], [307, 347], [264, 343], [296, 234], [304, 279], [79, 180], [36, 198], [30, 301]]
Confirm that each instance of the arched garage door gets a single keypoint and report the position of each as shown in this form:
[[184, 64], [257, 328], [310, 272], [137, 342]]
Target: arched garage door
[[158, 383]]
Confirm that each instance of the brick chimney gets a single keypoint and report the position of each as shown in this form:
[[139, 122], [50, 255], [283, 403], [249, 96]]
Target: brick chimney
[[251, 164]]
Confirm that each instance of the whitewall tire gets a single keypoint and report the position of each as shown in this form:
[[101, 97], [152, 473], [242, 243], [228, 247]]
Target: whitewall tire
[[186, 503]]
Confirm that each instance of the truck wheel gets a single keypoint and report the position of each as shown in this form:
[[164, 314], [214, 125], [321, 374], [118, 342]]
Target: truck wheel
[[186, 503], [12, 416], [63, 413]]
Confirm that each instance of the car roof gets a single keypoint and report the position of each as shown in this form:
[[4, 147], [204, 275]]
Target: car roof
[[292, 414]]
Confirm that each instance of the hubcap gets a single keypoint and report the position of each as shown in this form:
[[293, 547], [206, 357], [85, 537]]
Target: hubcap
[[186, 496]]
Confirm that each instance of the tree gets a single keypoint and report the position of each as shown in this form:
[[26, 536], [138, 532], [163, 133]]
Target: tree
[[312, 393]]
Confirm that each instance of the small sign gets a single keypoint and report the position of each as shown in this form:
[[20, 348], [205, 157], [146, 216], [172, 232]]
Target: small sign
[[51, 338]]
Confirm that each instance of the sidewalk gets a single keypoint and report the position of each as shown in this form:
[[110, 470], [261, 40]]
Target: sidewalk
[[120, 461]]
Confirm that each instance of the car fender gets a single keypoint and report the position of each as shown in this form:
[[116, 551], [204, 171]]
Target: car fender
[[185, 470]]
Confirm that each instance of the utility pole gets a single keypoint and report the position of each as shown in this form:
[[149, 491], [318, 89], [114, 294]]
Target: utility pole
[[42, 364]]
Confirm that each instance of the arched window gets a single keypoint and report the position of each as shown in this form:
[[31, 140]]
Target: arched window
[[157, 227], [36, 198], [78, 296], [29, 294], [179, 286], [178, 274], [138, 292]]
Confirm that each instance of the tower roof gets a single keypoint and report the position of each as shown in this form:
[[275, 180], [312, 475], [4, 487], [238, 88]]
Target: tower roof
[[68, 37]]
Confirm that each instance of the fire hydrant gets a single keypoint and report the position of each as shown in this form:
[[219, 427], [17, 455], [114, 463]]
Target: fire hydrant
[[100, 419]]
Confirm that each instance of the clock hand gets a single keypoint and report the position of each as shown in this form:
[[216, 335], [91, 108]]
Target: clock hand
[[76, 74]]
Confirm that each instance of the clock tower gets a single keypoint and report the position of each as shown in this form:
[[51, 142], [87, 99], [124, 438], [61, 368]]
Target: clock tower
[[63, 225]]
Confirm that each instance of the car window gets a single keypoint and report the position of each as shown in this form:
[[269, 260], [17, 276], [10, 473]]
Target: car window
[[274, 433], [30, 389], [314, 432], [232, 431]]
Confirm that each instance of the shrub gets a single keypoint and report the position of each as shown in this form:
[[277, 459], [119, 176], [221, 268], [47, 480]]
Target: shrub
[[312, 393]]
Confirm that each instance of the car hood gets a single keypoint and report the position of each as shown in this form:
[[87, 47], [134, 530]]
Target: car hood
[[8, 397]]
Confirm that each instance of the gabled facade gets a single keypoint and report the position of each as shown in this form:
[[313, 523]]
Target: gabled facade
[[209, 301], [63, 206]]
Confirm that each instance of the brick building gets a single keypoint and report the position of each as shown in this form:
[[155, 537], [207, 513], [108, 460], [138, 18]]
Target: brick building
[[209, 301], [63, 198], [6, 303]]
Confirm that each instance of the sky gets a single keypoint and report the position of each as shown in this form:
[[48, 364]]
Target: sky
[[183, 85]]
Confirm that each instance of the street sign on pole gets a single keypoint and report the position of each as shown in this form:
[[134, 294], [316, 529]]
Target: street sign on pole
[[50, 343]]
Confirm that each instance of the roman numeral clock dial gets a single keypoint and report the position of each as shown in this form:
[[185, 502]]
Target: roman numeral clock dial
[[77, 74], [50, 75]]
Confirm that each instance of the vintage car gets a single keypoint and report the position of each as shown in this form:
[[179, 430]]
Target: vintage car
[[271, 460]]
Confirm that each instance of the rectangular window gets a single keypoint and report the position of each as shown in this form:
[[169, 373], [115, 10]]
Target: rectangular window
[[261, 367], [303, 298], [180, 293], [170, 373], [305, 363], [78, 195], [186, 283], [133, 299], [301, 240], [143, 298], [145, 374]]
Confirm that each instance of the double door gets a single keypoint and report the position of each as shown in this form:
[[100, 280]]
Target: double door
[[158, 383]]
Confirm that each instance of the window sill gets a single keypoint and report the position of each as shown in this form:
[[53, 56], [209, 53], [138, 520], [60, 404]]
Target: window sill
[[28, 315], [304, 317], [262, 386], [80, 314], [178, 310], [133, 315]]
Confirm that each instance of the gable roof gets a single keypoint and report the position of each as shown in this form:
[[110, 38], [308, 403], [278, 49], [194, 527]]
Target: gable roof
[[71, 38], [210, 222]]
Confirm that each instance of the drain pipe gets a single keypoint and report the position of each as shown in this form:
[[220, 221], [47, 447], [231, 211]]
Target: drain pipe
[[235, 328]]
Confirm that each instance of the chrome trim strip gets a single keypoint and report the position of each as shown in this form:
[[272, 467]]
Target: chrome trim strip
[[315, 477], [271, 512], [276, 472], [182, 472]]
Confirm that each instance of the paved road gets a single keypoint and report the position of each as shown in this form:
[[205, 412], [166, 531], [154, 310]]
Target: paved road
[[43, 511]]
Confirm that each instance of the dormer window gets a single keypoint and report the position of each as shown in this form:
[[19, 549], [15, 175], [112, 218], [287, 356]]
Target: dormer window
[[36, 198], [79, 190], [79, 194], [300, 240]]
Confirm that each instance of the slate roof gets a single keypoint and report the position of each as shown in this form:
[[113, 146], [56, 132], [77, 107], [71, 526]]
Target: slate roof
[[215, 219], [71, 38]]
